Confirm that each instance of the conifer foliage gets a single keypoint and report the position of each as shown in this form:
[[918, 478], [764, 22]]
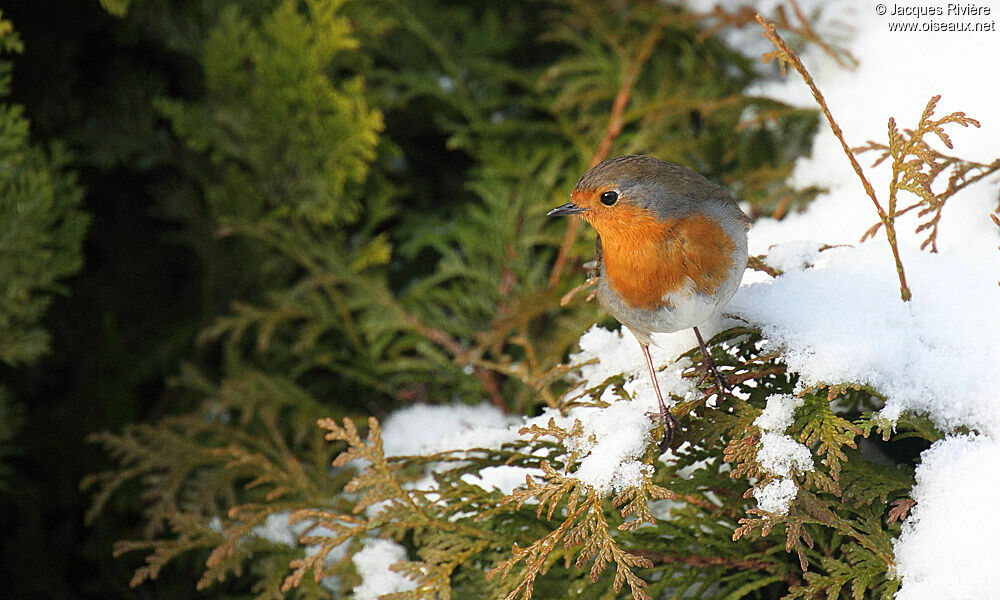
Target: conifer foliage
[[42, 226], [380, 172], [41, 230]]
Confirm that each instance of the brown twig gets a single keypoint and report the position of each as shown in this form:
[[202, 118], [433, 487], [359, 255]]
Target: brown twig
[[842, 56], [737, 378], [611, 133], [935, 221], [784, 54], [461, 358], [568, 296], [743, 15], [782, 207], [757, 264]]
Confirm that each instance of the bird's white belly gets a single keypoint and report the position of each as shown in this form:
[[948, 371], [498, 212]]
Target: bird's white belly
[[687, 308]]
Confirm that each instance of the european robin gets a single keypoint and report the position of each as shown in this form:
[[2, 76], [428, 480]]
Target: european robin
[[672, 248]]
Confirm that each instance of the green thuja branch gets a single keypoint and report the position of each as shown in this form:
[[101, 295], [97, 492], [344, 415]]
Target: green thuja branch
[[321, 136], [553, 535], [584, 528], [845, 495], [394, 507], [41, 233], [41, 225]]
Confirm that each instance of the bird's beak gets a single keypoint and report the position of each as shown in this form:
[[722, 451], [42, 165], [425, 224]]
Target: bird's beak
[[566, 209]]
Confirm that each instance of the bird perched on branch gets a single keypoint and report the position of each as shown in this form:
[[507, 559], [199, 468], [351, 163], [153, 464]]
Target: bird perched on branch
[[672, 248]]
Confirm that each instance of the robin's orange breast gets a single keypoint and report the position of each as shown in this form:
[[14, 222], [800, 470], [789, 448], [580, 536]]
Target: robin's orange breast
[[647, 258]]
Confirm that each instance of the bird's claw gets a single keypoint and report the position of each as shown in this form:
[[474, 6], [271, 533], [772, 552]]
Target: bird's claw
[[722, 384], [704, 371], [670, 424]]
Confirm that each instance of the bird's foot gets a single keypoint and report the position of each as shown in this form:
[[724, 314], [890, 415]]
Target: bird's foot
[[722, 384], [706, 370], [670, 425]]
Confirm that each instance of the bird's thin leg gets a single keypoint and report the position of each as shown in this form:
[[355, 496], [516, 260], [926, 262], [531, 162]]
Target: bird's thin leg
[[719, 380], [665, 416]]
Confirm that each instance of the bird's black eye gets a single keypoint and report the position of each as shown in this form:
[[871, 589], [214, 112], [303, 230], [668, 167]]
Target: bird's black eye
[[609, 198]]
